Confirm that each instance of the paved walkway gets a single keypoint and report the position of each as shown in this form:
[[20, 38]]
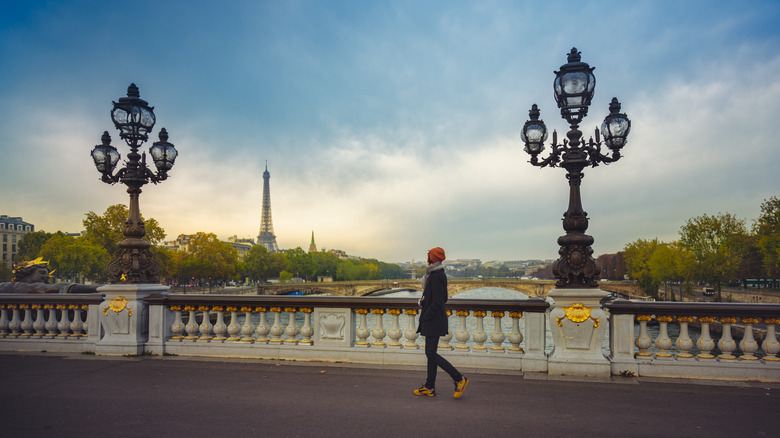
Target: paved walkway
[[49, 394]]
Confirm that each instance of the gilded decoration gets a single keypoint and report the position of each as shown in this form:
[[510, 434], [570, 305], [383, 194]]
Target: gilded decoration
[[175, 308], [289, 309], [378, 311], [203, 308], [664, 318], [771, 320], [412, 312], [361, 311], [448, 312], [45, 306], [231, 308], [706, 319], [685, 318], [578, 313], [645, 318], [306, 310], [480, 313], [117, 304], [728, 320], [750, 320], [394, 311], [515, 314], [260, 309], [274, 309], [497, 313], [462, 313], [38, 306]]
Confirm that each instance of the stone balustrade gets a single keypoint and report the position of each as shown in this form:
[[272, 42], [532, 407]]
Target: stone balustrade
[[713, 354], [49, 322], [650, 339]]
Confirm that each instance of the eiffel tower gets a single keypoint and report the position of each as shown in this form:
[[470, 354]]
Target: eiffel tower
[[266, 236]]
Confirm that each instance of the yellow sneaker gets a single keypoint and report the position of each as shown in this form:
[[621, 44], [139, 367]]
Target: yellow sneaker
[[461, 386], [425, 391]]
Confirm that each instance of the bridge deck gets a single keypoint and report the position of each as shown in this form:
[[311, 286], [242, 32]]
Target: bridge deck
[[77, 395]]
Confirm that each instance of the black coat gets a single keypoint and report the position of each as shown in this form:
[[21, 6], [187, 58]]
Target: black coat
[[433, 316]]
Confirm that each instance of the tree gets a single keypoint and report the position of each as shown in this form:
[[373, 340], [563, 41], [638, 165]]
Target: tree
[[211, 257], [106, 230], [259, 264], [767, 231], [29, 248], [75, 258], [713, 241], [637, 255]]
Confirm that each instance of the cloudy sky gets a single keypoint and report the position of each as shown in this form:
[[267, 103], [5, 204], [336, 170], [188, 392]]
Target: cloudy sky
[[392, 127]]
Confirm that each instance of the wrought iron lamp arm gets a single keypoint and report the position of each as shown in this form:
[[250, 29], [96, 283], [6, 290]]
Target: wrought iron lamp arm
[[555, 154], [595, 155]]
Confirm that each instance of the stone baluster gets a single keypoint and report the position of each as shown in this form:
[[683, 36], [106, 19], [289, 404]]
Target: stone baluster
[[3, 321], [362, 331], [39, 325], [411, 329], [192, 324], [705, 342], [663, 342], [479, 334], [770, 345], [684, 341], [51, 322], [247, 330], [462, 335], [497, 338], [727, 344], [15, 324], [445, 340], [64, 325], [748, 344], [219, 328], [643, 341], [379, 331], [291, 331], [77, 325], [515, 337], [233, 329], [177, 328], [27, 322], [395, 332], [85, 323], [306, 331], [262, 327], [276, 328], [205, 324]]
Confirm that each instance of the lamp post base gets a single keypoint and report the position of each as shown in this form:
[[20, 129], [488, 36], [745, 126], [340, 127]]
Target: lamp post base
[[124, 318], [578, 326]]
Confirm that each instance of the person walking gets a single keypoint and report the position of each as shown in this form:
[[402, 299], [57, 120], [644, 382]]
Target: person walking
[[433, 324]]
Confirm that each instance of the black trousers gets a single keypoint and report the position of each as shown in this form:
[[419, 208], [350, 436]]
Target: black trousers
[[435, 361]]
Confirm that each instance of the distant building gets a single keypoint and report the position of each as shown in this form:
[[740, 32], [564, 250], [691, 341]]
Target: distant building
[[12, 229], [180, 244], [312, 246], [267, 238], [241, 245]]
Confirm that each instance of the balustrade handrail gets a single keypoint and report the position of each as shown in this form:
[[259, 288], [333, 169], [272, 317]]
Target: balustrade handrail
[[49, 298], [537, 305], [621, 306]]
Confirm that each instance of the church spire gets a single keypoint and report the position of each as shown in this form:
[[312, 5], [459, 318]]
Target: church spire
[[312, 246]]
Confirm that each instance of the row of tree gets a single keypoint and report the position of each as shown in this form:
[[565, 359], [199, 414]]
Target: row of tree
[[713, 250], [207, 259]]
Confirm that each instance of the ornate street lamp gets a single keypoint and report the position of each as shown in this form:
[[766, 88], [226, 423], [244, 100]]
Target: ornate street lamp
[[134, 119], [574, 86]]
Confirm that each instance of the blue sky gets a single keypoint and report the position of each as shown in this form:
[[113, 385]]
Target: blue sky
[[392, 127]]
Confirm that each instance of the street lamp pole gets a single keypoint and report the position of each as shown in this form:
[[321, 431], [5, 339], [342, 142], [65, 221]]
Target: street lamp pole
[[134, 119], [574, 86]]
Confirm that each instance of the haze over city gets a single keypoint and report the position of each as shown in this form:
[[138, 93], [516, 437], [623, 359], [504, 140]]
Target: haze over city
[[392, 127]]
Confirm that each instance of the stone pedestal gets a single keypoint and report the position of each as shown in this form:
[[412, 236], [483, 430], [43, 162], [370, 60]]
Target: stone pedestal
[[578, 326], [124, 318]]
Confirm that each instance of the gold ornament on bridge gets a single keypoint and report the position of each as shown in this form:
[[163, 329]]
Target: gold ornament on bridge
[[118, 304], [750, 320], [706, 319], [578, 313]]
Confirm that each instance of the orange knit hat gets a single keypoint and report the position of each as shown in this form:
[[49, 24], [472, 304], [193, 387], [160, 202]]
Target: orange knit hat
[[436, 254]]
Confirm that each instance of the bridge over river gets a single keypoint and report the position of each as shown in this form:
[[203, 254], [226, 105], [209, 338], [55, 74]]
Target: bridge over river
[[532, 288]]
